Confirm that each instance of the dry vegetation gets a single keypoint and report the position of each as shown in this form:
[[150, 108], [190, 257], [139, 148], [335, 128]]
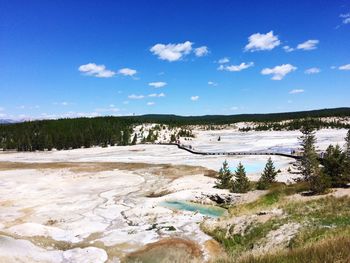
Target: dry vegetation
[[307, 230]]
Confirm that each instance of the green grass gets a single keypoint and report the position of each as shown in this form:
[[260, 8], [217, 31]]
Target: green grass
[[275, 194], [324, 222], [331, 250]]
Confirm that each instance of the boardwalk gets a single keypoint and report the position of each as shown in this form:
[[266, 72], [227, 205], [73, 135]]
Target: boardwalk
[[190, 149]]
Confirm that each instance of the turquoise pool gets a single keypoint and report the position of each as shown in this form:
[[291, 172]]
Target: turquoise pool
[[251, 168], [208, 210]]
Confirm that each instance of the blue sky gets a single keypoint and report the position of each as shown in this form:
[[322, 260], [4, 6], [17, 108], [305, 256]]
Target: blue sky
[[90, 58]]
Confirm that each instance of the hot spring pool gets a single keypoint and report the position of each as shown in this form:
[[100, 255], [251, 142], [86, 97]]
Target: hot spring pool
[[252, 167], [208, 210]]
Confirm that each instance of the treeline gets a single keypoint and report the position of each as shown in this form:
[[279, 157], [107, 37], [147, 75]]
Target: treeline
[[296, 124], [175, 121], [65, 134], [104, 131]]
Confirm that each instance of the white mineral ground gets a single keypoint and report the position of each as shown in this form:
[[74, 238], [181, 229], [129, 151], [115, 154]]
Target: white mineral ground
[[89, 205]]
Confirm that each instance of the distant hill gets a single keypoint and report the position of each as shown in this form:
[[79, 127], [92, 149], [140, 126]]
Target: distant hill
[[7, 121]]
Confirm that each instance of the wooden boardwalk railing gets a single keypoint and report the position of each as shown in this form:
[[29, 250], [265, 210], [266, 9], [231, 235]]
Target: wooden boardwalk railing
[[190, 149]]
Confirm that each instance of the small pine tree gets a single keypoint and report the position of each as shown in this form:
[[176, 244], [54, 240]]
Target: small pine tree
[[346, 164], [241, 182], [225, 177], [347, 145], [268, 176], [134, 140]]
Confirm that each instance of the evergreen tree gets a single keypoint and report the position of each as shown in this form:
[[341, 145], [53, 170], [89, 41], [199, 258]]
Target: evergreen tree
[[334, 166], [241, 182], [308, 164], [134, 140], [173, 138], [224, 178], [268, 176], [347, 145], [347, 158]]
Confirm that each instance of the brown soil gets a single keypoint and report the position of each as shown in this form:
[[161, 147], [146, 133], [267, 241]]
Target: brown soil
[[174, 250], [173, 171]]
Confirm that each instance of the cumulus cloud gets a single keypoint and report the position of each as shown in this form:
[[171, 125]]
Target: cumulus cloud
[[151, 103], [111, 108], [288, 49], [345, 67], [296, 91], [235, 68], [201, 51], [345, 18], [159, 95], [279, 72], [99, 71], [224, 60], [158, 84], [172, 52], [312, 71], [136, 97], [257, 42], [127, 71], [63, 103], [212, 83], [194, 98], [308, 45]]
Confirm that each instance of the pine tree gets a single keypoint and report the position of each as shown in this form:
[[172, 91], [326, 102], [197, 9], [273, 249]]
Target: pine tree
[[308, 164], [134, 140], [268, 176], [334, 166], [225, 177], [347, 145], [346, 165], [241, 182]]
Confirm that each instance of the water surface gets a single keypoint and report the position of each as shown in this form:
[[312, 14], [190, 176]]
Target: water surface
[[208, 210]]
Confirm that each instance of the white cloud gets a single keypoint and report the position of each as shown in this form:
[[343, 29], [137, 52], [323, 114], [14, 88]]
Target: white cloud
[[235, 68], [127, 71], [288, 49], [2, 109], [296, 91], [201, 51], [308, 45], [136, 97], [111, 108], [172, 52], [224, 60], [158, 84], [2, 115], [345, 67], [195, 98], [312, 71], [259, 41], [234, 108], [346, 18], [159, 95], [63, 103], [99, 71], [151, 103], [212, 83], [279, 72]]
